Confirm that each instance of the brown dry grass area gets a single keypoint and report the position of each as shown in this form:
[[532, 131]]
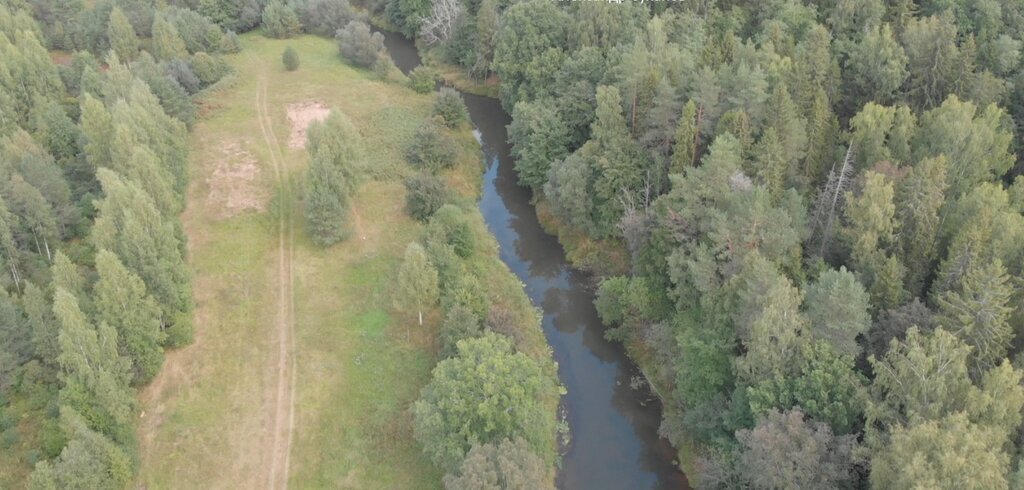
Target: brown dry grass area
[[235, 183], [300, 116]]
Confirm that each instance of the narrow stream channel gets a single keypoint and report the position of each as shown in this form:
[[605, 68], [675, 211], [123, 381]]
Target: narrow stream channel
[[614, 428]]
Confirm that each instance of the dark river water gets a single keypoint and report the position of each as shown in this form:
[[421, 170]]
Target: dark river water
[[614, 428]]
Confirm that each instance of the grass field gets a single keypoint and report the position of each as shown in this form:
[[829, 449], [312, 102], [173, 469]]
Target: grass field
[[208, 420]]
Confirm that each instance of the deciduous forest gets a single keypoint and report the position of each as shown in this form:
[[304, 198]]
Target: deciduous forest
[[805, 221]]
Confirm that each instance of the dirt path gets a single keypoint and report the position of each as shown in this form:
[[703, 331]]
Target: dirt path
[[277, 449]]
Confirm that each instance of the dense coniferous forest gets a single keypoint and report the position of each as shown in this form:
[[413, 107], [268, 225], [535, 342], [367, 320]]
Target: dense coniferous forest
[[820, 209]]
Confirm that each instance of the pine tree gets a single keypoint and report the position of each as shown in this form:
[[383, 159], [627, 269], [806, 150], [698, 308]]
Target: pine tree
[[416, 287], [121, 301], [280, 20], [771, 163], [122, 36], [822, 136]]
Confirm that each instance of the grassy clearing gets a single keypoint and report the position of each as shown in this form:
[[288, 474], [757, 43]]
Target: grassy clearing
[[205, 417]]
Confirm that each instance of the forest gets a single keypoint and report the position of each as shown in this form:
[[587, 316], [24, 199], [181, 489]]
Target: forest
[[818, 206]]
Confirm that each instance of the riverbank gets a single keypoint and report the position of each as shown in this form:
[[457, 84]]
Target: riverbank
[[355, 366]]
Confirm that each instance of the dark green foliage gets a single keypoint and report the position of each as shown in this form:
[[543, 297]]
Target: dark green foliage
[[280, 20], [538, 137], [323, 17], [358, 45], [432, 147], [486, 393], [451, 226], [460, 322], [332, 175], [290, 59], [450, 107], [422, 79], [425, 193]]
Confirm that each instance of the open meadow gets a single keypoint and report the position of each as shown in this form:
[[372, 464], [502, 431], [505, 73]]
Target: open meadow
[[301, 373]]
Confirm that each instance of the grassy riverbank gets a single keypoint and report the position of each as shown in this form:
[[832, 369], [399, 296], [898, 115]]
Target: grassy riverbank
[[353, 371]]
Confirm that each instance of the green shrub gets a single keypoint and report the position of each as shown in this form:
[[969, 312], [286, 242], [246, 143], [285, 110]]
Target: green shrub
[[422, 79], [460, 322], [432, 148], [384, 66], [450, 107], [450, 225], [290, 58], [425, 193], [358, 45], [280, 21]]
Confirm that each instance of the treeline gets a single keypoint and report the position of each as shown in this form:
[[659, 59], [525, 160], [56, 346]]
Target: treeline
[[93, 172], [820, 210], [487, 417]]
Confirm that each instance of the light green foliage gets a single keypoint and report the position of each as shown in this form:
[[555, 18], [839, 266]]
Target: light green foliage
[[922, 378], [290, 59], [837, 307], [949, 453], [416, 286], [422, 79], [768, 321], [121, 301], [167, 43], [95, 377], [26, 74], [506, 464], [976, 143], [450, 107], [122, 35], [280, 20], [89, 460], [978, 312], [485, 394], [129, 225], [538, 137]]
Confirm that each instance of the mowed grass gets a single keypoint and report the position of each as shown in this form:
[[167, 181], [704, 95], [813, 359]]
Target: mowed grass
[[360, 365]]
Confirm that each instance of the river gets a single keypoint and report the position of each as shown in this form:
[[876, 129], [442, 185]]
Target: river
[[613, 427]]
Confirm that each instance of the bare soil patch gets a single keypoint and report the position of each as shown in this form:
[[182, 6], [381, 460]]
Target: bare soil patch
[[301, 115], [235, 185]]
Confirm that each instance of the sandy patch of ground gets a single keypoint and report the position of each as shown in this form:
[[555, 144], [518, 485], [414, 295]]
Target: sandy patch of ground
[[300, 116], [235, 185]]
